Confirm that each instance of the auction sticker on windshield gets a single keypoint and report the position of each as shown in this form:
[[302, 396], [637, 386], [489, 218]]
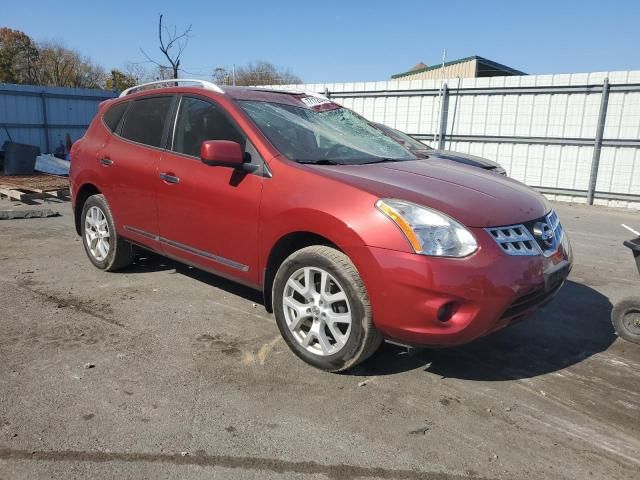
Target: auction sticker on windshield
[[319, 104]]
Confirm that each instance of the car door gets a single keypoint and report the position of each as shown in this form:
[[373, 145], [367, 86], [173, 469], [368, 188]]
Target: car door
[[130, 161], [208, 215]]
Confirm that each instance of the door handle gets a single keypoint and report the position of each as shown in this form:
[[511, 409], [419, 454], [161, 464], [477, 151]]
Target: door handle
[[106, 161], [169, 178]]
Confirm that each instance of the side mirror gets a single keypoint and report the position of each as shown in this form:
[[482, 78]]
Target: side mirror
[[222, 153]]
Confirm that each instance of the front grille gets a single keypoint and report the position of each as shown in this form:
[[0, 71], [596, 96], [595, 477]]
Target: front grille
[[514, 240], [540, 236]]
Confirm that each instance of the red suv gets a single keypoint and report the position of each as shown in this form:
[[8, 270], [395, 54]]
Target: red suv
[[351, 237]]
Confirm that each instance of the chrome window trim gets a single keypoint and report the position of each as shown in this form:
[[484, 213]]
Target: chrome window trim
[[175, 123]]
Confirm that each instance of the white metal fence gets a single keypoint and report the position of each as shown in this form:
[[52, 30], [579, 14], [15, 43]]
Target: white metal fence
[[42, 116], [541, 128]]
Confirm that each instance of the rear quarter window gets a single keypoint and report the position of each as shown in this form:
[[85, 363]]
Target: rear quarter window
[[145, 120], [114, 114]]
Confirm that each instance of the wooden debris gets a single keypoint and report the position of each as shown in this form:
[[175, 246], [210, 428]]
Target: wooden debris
[[25, 188]]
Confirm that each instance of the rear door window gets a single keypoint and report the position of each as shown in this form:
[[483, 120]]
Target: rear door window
[[146, 119], [114, 114], [199, 120]]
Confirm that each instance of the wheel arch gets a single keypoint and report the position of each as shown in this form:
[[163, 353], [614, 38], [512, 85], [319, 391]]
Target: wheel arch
[[285, 246], [85, 191]]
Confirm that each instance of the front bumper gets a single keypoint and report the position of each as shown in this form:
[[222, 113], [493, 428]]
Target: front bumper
[[479, 294]]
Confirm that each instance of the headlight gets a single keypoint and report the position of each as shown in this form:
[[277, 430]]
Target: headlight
[[428, 231]]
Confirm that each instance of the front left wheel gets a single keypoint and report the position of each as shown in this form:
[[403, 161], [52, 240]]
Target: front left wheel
[[322, 309], [104, 247]]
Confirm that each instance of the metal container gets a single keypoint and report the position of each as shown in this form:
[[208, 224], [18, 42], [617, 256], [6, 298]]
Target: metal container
[[19, 159]]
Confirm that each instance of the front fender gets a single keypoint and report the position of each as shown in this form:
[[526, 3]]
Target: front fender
[[303, 199]]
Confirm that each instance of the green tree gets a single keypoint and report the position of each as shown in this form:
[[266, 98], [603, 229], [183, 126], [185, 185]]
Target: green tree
[[120, 81]]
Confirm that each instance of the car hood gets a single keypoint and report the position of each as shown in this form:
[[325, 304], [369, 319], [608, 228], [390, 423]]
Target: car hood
[[474, 197], [464, 158]]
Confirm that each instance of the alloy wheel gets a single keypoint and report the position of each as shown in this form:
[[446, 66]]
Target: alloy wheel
[[96, 232], [317, 311]]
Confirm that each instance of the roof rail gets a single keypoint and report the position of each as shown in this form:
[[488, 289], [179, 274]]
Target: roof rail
[[174, 83]]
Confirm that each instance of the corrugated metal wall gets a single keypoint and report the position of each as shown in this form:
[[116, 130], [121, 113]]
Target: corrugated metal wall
[[42, 116], [541, 128]]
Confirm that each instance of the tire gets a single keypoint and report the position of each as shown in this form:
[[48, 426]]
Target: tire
[[118, 253], [626, 319], [302, 320]]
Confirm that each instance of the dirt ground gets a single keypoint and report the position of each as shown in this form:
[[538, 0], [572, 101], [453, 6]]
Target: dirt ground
[[163, 371]]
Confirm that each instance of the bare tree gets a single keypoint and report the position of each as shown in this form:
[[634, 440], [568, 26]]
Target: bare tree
[[221, 76], [172, 46], [163, 73], [60, 66], [138, 72], [265, 73]]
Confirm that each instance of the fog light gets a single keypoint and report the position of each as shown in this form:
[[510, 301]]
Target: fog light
[[446, 311]]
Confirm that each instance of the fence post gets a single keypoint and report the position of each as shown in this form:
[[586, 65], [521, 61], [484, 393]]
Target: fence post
[[45, 121], [444, 113], [597, 146]]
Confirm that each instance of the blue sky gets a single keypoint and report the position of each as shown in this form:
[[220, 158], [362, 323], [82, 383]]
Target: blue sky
[[326, 41]]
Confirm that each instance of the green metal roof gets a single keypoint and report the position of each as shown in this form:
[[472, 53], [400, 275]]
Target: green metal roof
[[481, 60]]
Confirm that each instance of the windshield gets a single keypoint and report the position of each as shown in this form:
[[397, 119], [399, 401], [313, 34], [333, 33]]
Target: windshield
[[404, 139], [336, 136]]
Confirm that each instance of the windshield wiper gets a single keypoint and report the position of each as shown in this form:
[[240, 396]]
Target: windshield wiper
[[324, 161], [385, 160], [328, 161]]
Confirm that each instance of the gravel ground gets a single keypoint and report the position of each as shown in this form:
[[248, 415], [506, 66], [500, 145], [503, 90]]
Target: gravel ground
[[163, 371]]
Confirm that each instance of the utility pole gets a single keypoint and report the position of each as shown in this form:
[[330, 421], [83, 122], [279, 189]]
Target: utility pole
[[436, 133], [444, 114], [597, 145]]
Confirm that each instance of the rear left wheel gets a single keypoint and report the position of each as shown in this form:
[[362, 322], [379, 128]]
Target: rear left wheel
[[323, 310], [104, 247]]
